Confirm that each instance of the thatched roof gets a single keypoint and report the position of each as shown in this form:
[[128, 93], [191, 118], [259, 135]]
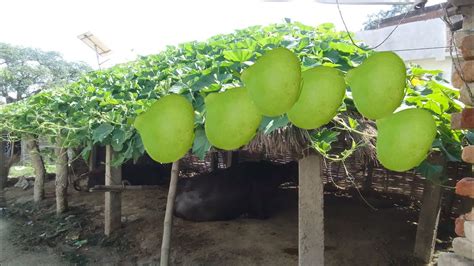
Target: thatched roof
[[293, 142]]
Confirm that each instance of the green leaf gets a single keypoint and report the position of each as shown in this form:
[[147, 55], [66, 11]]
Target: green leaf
[[270, 124], [201, 144], [431, 172], [353, 123], [102, 132], [118, 139], [238, 55], [470, 137]]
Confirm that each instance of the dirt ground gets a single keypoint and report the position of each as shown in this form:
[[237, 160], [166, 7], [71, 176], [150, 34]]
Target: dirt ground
[[355, 234]]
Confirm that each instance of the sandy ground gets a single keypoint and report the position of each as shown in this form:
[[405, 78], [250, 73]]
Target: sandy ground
[[355, 234]]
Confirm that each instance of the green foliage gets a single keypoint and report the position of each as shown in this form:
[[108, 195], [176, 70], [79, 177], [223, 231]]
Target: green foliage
[[85, 111], [101, 106], [425, 89], [25, 71]]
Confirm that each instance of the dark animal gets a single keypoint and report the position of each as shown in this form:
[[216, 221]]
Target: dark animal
[[227, 194]]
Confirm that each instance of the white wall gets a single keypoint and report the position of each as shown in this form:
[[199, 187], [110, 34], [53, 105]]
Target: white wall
[[419, 34]]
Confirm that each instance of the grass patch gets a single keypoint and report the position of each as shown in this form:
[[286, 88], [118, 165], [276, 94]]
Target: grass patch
[[26, 170]]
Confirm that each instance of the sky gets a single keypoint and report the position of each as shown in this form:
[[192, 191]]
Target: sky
[[141, 27]]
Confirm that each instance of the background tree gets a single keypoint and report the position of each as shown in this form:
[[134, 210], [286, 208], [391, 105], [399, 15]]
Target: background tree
[[26, 71], [373, 20]]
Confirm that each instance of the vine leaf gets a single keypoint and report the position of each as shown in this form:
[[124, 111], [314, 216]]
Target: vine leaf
[[101, 132]]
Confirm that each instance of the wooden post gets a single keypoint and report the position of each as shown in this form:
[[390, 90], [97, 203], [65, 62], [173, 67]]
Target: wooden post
[[113, 203], [310, 212], [429, 216], [165, 244]]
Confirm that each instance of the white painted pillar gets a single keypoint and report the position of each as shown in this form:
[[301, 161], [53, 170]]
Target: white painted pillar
[[311, 212]]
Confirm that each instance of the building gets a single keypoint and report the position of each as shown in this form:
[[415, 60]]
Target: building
[[422, 38]]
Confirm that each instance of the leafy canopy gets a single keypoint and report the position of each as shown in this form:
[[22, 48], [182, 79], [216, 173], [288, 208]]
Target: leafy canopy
[[100, 107]]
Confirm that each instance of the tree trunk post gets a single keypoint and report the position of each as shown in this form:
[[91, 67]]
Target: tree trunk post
[[310, 211], [3, 171], [429, 216], [168, 222], [38, 166], [113, 201], [61, 179], [3, 162]]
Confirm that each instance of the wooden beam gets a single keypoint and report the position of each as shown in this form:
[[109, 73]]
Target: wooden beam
[[168, 223], [113, 201], [429, 215], [463, 120], [120, 188], [310, 212]]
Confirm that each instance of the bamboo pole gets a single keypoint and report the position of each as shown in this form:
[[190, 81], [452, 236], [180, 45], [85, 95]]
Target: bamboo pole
[[165, 244]]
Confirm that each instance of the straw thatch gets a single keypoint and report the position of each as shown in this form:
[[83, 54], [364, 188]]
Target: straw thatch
[[292, 142]]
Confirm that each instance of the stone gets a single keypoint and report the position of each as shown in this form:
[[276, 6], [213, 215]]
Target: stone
[[467, 69], [468, 154], [463, 120], [469, 230], [456, 80], [465, 187], [459, 225], [451, 259], [467, 47], [465, 97], [463, 247]]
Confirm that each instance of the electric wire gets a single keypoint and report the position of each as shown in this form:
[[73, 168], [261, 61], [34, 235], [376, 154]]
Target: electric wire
[[368, 48]]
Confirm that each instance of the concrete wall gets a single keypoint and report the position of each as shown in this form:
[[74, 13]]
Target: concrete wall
[[419, 34]]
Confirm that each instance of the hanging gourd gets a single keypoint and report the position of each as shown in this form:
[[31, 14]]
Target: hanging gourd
[[274, 81], [232, 119], [378, 84], [167, 128], [321, 95], [405, 138]]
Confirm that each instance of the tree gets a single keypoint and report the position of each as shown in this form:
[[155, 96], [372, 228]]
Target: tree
[[26, 71], [373, 20]]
